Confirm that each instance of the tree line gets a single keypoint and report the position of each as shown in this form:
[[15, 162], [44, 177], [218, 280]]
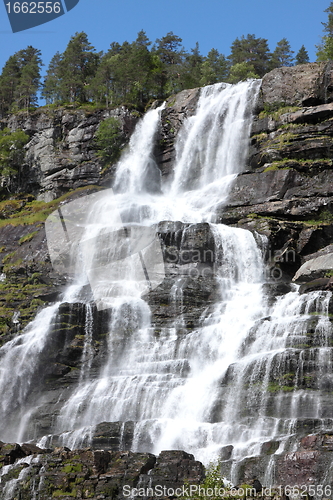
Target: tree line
[[139, 72]]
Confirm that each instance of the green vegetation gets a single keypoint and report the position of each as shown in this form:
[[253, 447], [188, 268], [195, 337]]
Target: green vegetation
[[17, 293], [27, 211], [270, 168], [305, 165], [213, 476], [285, 137], [325, 48], [260, 137], [280, 165], [133, 73], [252, 51], [27, 237], [20, 81], [213, 480], [275, 387], [302, 56], [277, 109], [11, 152], [326, 216], [70, 468], [109, 140], [63, 493], [242, 71], [282, 55], [25, 285]]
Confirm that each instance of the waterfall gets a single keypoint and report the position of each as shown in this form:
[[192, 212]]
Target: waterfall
[[18, 371], [209, 389], [158, 365]]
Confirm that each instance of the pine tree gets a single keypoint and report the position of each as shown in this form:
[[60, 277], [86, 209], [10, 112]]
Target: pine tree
[[26, 92], [171, 55], [101, 85], [9, 80], [282, 55], [51, 87], [191, 74], [11, 154], [302, 56], [251, 50], [325, 49], [20, 80], [140, 69], [119, 67], [219, 64], [328, 27], [77, 67]]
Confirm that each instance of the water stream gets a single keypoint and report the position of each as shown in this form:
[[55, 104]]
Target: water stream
[[218, 386]]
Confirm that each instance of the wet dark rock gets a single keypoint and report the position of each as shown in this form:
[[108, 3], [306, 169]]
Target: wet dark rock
[[113, 436], [269, 448], [178, 107], [255, 188], [176, 467], [257, 485], [226, 452], [318, 284], [101, 473]]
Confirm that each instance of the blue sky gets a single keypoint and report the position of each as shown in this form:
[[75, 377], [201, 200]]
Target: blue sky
[[213, 23]]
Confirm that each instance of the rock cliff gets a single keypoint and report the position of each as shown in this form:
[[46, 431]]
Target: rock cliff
[[285, 194]]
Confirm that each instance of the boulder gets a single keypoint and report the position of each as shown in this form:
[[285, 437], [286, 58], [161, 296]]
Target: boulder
[[302, 85], [315, 268]]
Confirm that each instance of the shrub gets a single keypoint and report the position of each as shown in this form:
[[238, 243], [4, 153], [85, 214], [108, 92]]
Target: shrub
[[11, 151], [109, 140]]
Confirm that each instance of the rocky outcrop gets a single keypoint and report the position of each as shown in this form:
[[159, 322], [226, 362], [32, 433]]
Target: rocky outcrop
[[61, 154], [101, 474], [177, 109], [28, 280], [303, 85], [316, 266], [28, 471], [304, 471]]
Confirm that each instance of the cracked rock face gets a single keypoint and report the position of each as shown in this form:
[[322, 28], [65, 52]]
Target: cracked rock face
[[61, 154], [303, 85]]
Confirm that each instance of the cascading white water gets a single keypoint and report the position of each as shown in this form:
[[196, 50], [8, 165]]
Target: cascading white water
[[213, 386], [19, 364], [159, 372]]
